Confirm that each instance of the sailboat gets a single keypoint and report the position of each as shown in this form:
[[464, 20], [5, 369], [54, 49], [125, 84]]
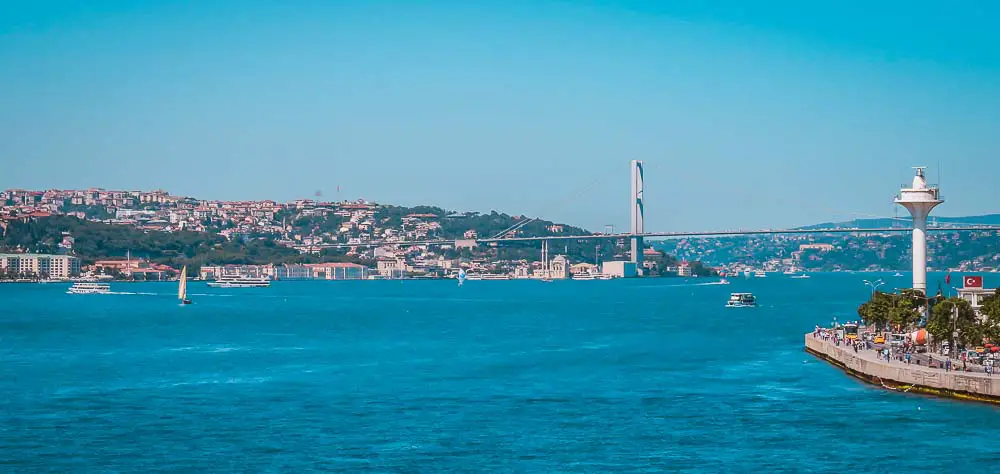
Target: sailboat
[[461, 276], [182, 290]]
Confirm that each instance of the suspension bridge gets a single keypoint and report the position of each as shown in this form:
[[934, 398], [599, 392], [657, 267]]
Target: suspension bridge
[[637, 233]]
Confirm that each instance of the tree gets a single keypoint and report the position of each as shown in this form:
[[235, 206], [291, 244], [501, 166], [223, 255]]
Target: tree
[[991, 314], [955, 317], [904, 311], [875, 312]]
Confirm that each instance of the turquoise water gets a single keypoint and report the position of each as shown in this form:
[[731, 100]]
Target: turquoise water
[[425, 376]]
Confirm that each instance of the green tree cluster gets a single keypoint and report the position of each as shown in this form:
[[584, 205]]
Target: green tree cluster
[[954, 320], [990, 310], [96, 241], [892, 310]]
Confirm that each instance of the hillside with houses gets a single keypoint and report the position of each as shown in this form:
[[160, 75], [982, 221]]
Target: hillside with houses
[[98, 225]]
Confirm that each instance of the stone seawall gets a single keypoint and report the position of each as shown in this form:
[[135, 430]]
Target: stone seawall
[[904, 377]]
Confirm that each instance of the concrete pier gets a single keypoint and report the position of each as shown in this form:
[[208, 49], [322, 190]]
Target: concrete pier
[[903, 377]]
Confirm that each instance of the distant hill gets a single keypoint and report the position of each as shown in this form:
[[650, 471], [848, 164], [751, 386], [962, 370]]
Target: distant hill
[[988, 219]]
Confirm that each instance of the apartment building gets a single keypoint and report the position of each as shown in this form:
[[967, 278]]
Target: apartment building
[[37, 264]]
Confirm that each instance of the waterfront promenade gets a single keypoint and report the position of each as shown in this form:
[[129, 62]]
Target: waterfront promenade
[[900, 376]]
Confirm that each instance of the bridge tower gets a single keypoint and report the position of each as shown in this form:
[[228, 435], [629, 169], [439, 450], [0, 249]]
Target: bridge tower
[[637, 212], [919, 199]]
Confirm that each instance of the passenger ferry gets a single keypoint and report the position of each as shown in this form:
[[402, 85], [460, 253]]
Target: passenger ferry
[[759, 274], [89, 288], [741, 300], [233, 281], [585, 276]]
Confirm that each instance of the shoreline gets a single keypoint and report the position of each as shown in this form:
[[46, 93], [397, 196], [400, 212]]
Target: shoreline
[[906, 378]]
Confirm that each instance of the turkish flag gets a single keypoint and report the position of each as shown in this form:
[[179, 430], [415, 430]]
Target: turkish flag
[[947, 279], [974, 281]]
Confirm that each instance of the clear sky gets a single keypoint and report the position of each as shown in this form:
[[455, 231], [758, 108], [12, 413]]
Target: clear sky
[[746, 113]]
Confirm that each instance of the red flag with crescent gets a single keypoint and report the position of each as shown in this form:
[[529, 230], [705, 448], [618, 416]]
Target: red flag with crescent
[[947, 279], [973, 281]]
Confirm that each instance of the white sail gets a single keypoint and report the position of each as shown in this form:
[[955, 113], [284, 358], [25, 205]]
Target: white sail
[[182, 284]]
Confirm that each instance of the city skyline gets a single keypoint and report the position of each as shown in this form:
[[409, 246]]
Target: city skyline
[[525, 108]]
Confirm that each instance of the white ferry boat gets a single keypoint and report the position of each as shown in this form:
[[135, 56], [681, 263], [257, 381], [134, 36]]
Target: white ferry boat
[[232, 281], [741, 300], [759, 274], [89, 288], [585, 276]]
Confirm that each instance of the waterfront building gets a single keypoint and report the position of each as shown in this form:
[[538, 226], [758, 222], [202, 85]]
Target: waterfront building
[[684, 270], [292, 272], [391, 267], [213, 272], [558, 269], [138, 268], [37, 264], [584, 268], [619, 269], [972, 291], [338, 271]]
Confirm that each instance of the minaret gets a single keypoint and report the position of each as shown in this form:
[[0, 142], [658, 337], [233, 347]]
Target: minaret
[[919, 200]]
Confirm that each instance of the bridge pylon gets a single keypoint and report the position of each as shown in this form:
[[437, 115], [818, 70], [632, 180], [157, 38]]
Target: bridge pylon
[[637, 215]]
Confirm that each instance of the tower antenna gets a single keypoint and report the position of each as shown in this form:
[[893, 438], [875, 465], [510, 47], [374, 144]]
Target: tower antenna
[[939, 173]]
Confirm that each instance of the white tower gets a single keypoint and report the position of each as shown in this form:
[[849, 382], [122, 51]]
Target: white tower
[[919, 199], [637, 209]]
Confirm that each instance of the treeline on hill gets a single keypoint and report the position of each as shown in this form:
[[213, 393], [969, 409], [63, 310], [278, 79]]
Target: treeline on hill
[[944, 250], [485, 225], [454, 225], [95, 241]]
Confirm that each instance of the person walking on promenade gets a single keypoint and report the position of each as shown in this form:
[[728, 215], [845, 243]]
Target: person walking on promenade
[[947, 365], [907, 358]]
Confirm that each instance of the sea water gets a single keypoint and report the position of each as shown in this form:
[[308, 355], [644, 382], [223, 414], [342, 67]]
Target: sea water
[[427, 376]]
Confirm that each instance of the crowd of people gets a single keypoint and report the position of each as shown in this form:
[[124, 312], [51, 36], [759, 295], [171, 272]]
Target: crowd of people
[[905, 352]]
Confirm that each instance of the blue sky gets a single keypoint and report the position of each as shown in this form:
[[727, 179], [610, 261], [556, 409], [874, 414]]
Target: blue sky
[[747, 114]]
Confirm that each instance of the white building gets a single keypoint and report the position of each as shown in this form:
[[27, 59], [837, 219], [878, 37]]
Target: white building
[[972, 291], [293, 272], [339, 271], [619, 269], [57, 267], [684, 270], [213, 272], [391, 267]]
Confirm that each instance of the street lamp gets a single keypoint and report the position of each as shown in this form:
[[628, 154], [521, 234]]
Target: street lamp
[[874, 284]]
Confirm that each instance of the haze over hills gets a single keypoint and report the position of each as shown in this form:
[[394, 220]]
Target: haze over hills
[[987, 219], [966, 251]]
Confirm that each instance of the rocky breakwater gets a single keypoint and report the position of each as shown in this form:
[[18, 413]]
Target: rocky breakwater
[[903, 377]]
